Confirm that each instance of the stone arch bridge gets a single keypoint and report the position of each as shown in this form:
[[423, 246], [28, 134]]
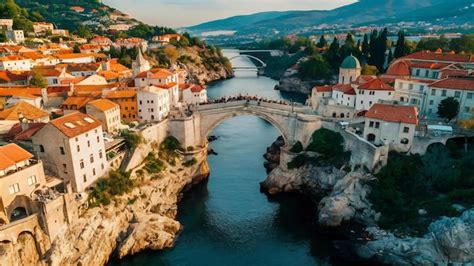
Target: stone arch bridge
[[295, 123]]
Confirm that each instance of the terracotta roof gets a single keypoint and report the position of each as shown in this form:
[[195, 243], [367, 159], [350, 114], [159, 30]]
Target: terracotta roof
[[393, 113], [75, 124], [29, 111], [77, 101], [48, 71], [33, 55], [95, 87], [108, 75], [156, 73], [375, 84], [454, 83], [197, 88], [21, 91], [16, 133], [324, 88], [8, 76], [12, 154], [362, 79], [446, 57], [12, 58], [103, 104], [73, 56], [446, 73], [117, 67], [167, 85], [430, 65], [121, 94], [399, 68], [79, 67]]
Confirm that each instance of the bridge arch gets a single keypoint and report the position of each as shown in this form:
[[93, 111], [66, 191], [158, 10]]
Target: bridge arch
[[211, 125], [252, 57]]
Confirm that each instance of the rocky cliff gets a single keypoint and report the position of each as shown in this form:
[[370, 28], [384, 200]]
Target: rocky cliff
[[139, 220], [295, 84], [341, 195]]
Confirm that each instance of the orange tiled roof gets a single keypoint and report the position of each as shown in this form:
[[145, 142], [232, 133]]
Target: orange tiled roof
[[167, 86], [121, 94], [399, 68], [73, 56], [29, 111], [325, 88], [454, 83], [156, 73], [77, 101], [108, 75], [7, 76], [446, 57], [429, 65], [393, 113], [12, 58], [82, 88], [75, 124], [103, 104], [12, 154], [197, 88], [376, 84], [21, 91]]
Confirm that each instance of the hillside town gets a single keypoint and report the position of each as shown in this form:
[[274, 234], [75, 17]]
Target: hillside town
[[67, 109]]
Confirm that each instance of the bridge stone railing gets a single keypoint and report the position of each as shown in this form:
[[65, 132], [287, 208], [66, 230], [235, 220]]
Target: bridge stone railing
[[254, 103]]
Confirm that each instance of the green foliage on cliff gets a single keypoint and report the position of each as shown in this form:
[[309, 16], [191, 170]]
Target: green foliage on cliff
[[132, 139], [153, 164], [330, 148], [117, 183], [297, 148], [433, 182]]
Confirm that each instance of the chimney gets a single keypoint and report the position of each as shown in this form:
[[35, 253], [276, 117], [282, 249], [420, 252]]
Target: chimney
[[23, 122]]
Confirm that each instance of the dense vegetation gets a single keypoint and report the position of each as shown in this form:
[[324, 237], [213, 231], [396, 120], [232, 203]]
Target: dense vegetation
[[410, 185], [328, 145], [117, 183]]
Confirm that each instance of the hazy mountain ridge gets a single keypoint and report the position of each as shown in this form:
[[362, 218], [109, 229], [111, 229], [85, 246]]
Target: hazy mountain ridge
[[359, 13]]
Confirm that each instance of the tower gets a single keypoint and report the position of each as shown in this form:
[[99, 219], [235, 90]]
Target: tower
[[350, 70], [140, 64]]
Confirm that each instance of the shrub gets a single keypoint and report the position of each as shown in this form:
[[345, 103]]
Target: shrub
[[153, 164], [170, 144], [327, 143], [132, 139], [297, 162], [116, 184], [297, 148]]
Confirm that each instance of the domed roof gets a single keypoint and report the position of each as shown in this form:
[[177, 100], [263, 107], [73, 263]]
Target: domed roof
[[350, 62], [399, 68]]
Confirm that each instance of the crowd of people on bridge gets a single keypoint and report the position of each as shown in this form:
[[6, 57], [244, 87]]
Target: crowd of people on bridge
[[247, 98]]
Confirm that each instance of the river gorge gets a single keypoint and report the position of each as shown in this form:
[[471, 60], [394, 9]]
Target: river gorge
[[227, 220]]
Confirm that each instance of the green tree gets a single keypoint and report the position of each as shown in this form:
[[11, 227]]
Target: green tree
[[448, 108], [433, 44], [3, 36], [76, 49], [315, 68], [463, 44], [349, 41], [322, 42], [37, 80], [84, 32], [380, 49], [389, 57], [373, 47], [332, 54], [366, 47], [401, 48]]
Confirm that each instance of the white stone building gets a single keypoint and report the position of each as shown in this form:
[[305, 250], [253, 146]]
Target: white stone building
[[392, 125], [153, 104], [193, 94], [72, 147]]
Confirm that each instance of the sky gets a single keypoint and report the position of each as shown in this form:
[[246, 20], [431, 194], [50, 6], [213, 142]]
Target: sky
[[180, 13]]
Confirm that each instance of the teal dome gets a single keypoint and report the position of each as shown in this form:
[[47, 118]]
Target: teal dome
[[350, 62]]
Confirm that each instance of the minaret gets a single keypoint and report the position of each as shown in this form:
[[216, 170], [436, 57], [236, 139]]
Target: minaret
[[140, 64]]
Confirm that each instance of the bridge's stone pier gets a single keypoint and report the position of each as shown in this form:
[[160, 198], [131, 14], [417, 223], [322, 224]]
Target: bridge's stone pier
[[295, 123]]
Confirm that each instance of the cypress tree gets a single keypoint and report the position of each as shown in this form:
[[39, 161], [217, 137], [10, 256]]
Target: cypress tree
[[322, 42], [390, 56], [332, 55], [365, 47], [373, 47], [349, 41], [381, 48], [400, 47]]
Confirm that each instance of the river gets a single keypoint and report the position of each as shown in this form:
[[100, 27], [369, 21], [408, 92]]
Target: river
[[227, 220]]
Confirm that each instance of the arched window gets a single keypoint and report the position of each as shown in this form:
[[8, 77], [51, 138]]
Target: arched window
[[404, 141], [371, 137], [334, 114], [350, 79], [18, 213], [342, 115]]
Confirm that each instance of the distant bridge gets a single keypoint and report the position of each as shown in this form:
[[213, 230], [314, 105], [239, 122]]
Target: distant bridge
[[235, 53], [262, 64]]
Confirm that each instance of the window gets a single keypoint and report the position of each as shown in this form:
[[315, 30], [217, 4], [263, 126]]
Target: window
[[32, 180], [81, 163], [64, 168], [84, 178], [377, 124], [402, 99], [469, 95], [88, 143], [91, 158], [87, 135], [140, 101], [61, 149], [93, 171], [433, 92], [15, 188], [404, 141], [443, 93], [422, 88], [417, 73], [466, 109], [78, 148], [98, 139], [100, 154], [410, 86], [102, 166], [431, 102], [457, 94], [41, 148], [371, 124], [406, 129], [427, 73]]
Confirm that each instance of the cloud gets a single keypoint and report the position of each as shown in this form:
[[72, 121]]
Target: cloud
[[177, 13]]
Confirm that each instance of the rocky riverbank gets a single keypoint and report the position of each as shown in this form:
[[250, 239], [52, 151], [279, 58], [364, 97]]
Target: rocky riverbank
[[341, 197], [295, 84], [143, 219]]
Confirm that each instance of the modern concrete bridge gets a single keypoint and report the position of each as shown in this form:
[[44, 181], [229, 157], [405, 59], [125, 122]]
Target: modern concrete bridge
[[295, 123]]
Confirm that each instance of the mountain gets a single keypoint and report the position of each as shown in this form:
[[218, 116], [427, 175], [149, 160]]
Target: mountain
[[360, 13]]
